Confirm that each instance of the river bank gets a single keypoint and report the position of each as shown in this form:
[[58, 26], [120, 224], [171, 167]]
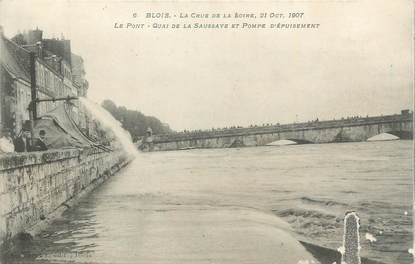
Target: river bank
[[37, 187]]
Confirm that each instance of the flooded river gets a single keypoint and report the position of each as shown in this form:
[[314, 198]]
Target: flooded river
[[222, 206]]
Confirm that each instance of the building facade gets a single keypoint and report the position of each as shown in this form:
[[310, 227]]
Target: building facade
[[58, 72]]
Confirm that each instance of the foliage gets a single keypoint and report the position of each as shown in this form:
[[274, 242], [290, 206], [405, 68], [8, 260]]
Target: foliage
[[134, 121]]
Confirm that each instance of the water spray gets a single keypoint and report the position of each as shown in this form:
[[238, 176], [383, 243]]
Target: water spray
[[109, 122]]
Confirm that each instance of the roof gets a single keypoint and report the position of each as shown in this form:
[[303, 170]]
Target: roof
[[12, 57]]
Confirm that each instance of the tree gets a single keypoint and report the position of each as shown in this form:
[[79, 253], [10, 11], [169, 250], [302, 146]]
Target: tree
[[134, 121]]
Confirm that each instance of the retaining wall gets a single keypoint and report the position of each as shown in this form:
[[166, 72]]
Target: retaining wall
[[34, 185]]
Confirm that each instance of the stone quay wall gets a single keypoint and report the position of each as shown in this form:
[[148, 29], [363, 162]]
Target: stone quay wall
[[36, 184]]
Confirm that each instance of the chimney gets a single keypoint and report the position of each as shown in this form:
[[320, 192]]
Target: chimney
[[405, 112], [34, 36]]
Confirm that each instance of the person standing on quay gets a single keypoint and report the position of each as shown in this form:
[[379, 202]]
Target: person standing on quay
[[40, 144], [23, 143], [6, 143]]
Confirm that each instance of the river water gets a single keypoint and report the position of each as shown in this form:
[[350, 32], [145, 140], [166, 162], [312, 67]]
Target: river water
[[173, 207]]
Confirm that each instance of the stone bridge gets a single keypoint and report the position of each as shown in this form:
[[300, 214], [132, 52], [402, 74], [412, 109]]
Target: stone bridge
[[344, 130]]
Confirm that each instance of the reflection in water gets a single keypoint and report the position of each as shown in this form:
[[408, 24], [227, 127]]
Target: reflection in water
[[226, 206]]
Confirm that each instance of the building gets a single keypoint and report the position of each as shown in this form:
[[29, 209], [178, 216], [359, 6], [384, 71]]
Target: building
[[58, 73]]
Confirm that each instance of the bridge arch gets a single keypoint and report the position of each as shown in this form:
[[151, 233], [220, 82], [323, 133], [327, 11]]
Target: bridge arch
[[391, 135], [288, 141], [300, 141], [383, 137], [237, 143], [402, 134]]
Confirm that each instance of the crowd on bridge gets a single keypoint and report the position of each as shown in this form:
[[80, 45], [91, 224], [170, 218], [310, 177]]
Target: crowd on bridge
[[201, 132], [269, 126]]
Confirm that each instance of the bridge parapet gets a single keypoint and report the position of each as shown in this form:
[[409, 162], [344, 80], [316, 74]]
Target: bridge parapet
[[293, 127]]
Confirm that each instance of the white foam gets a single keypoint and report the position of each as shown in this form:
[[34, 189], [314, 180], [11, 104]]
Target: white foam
[[342, 250], [383, 137], [370, 237], [282, 142]]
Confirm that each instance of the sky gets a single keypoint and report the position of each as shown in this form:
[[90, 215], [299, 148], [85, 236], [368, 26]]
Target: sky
[[358, 62]]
